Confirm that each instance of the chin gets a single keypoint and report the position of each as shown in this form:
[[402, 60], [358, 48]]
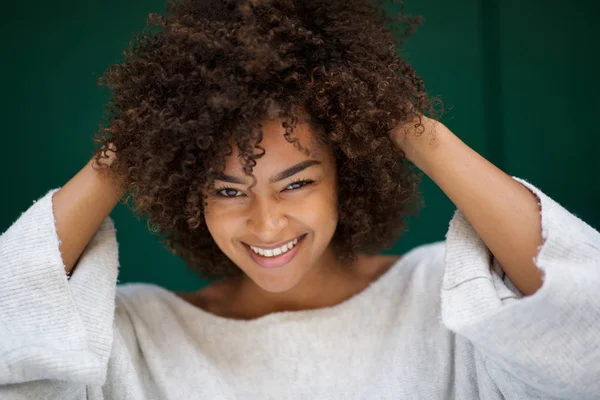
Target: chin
[[277, 283]]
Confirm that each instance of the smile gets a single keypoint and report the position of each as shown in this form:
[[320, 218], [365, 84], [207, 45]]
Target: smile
[[276, 251], [275, 257]]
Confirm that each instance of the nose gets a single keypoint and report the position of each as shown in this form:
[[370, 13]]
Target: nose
[[266, 219]]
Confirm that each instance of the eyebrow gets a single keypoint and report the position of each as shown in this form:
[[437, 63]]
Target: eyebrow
[[279, 177]]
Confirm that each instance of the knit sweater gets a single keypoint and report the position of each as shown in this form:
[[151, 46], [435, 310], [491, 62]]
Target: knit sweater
[[444, 322]]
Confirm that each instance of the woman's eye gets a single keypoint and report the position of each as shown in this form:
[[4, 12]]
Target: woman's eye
[[300, 184], [231, 192]]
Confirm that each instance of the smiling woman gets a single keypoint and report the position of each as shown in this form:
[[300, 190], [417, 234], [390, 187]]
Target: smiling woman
[[269, 143], [293, 199]]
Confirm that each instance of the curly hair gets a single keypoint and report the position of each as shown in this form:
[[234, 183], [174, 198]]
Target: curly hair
[[206, 72]]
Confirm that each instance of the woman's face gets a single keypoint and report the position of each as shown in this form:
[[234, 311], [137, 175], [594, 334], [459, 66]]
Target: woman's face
[[294, 198]]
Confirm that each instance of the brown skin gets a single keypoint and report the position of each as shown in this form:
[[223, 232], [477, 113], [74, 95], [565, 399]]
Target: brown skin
[[504, 213], [271, 213], [81, 205]]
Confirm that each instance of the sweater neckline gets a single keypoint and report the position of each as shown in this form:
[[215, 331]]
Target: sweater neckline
[[204, 317]]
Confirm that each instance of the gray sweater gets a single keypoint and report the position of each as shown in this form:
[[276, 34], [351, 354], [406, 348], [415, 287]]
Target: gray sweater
[[442, 323]]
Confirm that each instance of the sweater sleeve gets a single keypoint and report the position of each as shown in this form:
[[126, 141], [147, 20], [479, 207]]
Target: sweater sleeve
[[54, 331], [549, 341]]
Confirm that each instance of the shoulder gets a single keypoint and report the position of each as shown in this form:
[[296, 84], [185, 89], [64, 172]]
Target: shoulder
[[145, 311], [409, 293], [426, 258], [143, 303], [138, 291], [132, 301], [421, 269]]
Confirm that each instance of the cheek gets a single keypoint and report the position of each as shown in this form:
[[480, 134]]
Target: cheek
[[220, 223], [317, 212]]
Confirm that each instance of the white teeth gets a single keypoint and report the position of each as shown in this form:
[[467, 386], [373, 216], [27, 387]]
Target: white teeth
[[275, 252]]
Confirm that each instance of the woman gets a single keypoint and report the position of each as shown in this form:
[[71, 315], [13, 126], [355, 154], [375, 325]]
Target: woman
[[269, 141]]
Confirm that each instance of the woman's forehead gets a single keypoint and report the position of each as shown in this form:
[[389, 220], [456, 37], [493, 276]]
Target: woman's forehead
[[278, 150]]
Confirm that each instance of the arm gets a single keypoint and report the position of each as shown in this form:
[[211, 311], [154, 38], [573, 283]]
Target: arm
[[504, 213], [543, 345], [80, 206]]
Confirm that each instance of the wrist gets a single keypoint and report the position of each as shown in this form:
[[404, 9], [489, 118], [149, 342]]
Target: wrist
[[422, 145], [105, 179], [105, 174]]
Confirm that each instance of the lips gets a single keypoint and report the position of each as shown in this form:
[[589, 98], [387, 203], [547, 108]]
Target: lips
[[276, 261]]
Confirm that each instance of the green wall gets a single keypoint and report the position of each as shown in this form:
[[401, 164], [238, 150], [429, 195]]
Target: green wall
[[519, 81]]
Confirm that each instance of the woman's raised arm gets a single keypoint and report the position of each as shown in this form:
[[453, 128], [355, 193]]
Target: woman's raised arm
[[81, 205]]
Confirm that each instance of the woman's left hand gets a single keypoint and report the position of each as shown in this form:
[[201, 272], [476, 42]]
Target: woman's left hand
[[504, 213]]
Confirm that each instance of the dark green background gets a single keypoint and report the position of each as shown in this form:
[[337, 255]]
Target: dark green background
[[519, 81]]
